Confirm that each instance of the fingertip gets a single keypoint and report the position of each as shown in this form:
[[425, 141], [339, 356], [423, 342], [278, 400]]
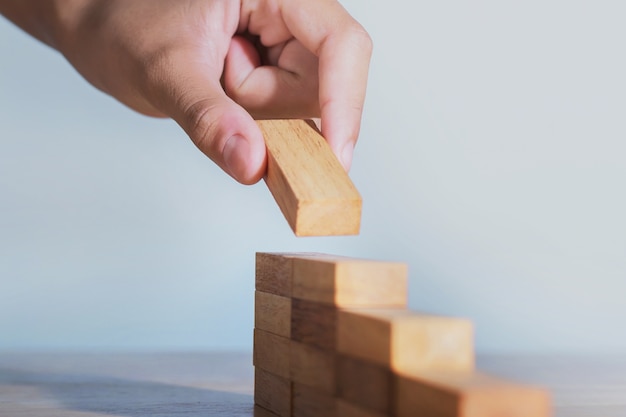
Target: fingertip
[[245, 158], [345, 156]]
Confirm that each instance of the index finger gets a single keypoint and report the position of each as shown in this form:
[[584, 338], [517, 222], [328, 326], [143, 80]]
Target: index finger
[[344, 49]]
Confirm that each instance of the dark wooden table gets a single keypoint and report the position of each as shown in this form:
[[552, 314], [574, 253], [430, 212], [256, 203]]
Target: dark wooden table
[[221, 384]]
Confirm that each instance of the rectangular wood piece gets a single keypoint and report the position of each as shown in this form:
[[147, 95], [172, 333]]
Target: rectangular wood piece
[[272, 313], [262, 412], [272, 392], [312, 189], [272, 353], [404, 340], [458, 394], [365, 384], [314, 367], [337, 280], [314, 323], [309, 402], [347, 409]]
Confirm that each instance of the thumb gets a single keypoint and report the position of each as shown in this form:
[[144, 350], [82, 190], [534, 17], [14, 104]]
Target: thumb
[[218, 126]]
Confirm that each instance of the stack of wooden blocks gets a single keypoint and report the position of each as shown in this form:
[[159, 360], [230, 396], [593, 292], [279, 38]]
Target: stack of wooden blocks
[[334, 338]]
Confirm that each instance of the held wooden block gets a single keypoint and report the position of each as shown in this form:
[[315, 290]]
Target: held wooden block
[[346, 409], [309, 402], [272, 313], [307, 181], [467, 395], [272, 353], [406, 341], [336, 280], [364, 384], [313, 367], [272, 392]]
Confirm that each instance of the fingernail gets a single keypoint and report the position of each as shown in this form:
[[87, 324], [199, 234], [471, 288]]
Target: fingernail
[[236, 153], [346, 156]]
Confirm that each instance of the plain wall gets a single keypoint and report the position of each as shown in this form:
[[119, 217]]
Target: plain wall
[[491, 160]]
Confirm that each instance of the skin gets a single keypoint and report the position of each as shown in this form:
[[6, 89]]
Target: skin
[[215, 65]]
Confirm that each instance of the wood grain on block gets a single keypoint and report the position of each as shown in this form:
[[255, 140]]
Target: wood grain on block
[[349, 282], [347, 409], [467, 395], [314, 367], [272, 392], [312, 189], [272, 313], [309, 402], [262, 412], [330, 279], [364, 384], [406, 341], [314, 323], [271, 353], [273, 272]]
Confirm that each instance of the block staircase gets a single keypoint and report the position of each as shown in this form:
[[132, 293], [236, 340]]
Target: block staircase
[[333, 338]]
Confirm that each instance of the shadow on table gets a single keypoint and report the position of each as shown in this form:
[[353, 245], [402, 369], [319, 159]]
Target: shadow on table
[[119, 397]]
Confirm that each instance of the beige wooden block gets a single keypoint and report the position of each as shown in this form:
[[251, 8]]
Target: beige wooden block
[[262, 412], [314, 323], [309, 402], [314, 367], [406, 341], [272, 313], [272, 392], [312, 189], [271, 353], [346, 409], [273, 272], [365, 384], [467, 395], [337, 280], [349, 282]]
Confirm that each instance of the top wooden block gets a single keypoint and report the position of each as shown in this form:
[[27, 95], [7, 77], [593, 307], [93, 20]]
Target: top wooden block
[[335, 280], [307, 181]]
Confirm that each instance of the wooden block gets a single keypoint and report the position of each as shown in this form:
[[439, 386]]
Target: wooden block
[[272, 392], [467, 395], [336, 280], [364, 384], [272, 313], [273, 273], [346, 409], [348, 282], [406, 341], [262, 412], [271, 353], [307, 181], [308, 402], [314, 323], [314, 367]]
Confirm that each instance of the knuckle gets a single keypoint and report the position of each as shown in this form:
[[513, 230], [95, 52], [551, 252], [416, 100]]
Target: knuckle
[[361, 38], [200, 126]]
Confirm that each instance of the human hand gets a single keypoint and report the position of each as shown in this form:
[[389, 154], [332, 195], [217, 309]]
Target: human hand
[[196, 61]]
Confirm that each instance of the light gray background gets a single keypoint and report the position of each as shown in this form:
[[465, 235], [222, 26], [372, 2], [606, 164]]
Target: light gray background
[[491, 161]]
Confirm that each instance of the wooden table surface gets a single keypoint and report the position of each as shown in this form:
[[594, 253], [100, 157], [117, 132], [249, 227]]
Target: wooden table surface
[[221, 384]]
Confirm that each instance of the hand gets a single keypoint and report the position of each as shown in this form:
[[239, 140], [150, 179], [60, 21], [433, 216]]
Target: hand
[[211, 64]]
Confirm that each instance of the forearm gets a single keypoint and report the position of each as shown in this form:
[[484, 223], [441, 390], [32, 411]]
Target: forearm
[[50, 21]]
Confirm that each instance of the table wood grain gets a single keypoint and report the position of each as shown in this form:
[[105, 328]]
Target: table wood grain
[[221, 384]]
